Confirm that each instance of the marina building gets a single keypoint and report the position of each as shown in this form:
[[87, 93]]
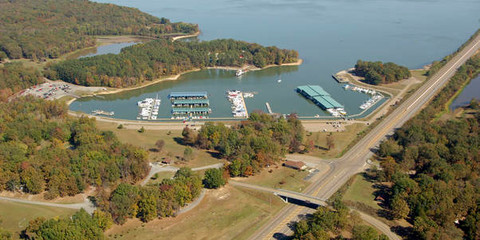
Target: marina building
[[322, 99]]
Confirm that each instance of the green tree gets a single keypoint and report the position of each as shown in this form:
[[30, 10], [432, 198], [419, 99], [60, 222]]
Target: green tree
[[362, 232], [188, 154], [399, 207], [214, 178]]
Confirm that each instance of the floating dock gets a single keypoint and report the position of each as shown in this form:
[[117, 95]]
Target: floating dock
[[319, 96], [322, 99], [188, 95], [269, 109], [190, 104]]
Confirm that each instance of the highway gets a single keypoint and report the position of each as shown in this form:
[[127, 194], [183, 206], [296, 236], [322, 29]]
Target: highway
[[354, 160]]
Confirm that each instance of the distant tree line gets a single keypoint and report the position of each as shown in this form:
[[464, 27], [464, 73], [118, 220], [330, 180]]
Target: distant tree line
[[42, 149], [15, 77], [380, 73], [251, 145], [148, 61], [38, 29], [434, 166]]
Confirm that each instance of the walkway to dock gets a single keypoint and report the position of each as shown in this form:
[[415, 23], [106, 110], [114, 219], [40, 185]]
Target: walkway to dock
[[244, 105]]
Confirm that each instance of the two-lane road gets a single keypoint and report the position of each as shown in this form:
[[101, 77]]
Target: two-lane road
[[354, 160]]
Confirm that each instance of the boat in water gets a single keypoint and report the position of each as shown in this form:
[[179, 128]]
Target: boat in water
[[101, 112], [148, 108], [240, 72]]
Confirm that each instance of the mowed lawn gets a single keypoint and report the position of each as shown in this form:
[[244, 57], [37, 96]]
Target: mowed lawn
[[362, 191], [279, 177], [227, 213], [172, 149], [16, 216], [341, 141]]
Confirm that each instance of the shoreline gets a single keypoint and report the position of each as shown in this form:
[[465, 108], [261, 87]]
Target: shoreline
[[196, 34], [176, 77]]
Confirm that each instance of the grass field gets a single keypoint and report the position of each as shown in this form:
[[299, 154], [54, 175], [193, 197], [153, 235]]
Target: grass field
[[362, 191], [172, 148], [16, 216], [341, 140], [280, 177], [227, 213]]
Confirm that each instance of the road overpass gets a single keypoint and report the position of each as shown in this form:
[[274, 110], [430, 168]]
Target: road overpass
[[354, 160], [284, 194]]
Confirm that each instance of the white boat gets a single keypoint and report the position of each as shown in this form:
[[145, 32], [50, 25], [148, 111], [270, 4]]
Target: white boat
[[240, 72], [279, 80]]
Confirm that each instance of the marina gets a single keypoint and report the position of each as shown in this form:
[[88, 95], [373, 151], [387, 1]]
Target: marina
[[190, 105], [375, 96], [148, 108], [325, 48], [322, 99], [239, 108]]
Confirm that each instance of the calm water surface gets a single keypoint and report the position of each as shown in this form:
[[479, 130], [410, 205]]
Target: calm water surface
[[330, 35], [472, 90]]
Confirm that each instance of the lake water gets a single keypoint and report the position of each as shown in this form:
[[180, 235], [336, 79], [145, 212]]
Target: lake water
[[330, 35], [472, 90]]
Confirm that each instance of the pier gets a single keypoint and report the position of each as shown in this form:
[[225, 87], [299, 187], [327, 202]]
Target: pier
[[269, 109]]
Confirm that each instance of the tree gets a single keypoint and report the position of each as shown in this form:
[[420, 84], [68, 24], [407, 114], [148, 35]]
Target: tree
[[399, 207], [188, 154], [159, 144], [147, 205], [141, 130], [188, 136], [362, 232], [214, 178], [330, 141]]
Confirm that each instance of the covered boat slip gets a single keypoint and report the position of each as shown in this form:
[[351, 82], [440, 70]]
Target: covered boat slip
[[191, 111], [319, 96], [190, 103], [188, 95]]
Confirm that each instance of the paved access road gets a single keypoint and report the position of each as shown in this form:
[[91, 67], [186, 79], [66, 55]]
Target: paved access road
[[354, 160]]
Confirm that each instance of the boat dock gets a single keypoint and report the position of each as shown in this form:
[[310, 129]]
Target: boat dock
[[269, 109], [101, 112], [239, 107], [322, 99], [190, 105]]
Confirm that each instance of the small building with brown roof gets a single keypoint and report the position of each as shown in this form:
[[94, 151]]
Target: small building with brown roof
[[299, 165]]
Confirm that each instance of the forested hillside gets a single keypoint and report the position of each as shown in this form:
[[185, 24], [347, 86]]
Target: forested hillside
[[15, 77], [148, 61], [49, 28], [434, 166], [42, 149], [377, 72]]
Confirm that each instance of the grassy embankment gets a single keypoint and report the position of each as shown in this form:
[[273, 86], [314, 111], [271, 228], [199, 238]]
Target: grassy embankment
[[227, 213], [172, 149], [16, 216]]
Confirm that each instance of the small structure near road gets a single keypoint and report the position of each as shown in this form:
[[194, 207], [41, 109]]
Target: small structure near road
[[298, 165], [166, 161]]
